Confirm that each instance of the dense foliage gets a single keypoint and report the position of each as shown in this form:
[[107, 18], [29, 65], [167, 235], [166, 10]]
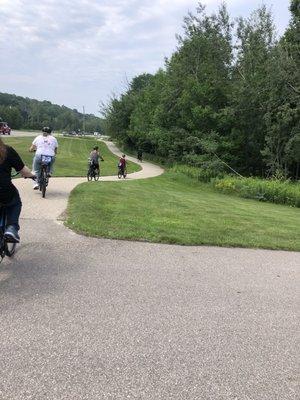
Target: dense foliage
[[230, 94], [20, 112], [271, 190]]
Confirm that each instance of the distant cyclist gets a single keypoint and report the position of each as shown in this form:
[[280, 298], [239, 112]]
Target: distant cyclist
[[46, 145], [122, 164], [140, 155], [9, 195], [94, 157]]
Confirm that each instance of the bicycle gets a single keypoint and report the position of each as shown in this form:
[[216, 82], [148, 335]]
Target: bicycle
[[93, 172], [7, 248], [44, 173], [122, 172]]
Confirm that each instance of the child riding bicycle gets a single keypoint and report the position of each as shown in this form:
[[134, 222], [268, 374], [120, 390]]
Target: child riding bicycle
[[94, 159], [122, 164]]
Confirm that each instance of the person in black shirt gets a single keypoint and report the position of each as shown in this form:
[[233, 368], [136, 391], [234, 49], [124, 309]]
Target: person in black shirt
[[140, 155], [9, 195]]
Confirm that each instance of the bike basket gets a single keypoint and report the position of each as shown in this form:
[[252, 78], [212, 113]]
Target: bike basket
[[46, 159]]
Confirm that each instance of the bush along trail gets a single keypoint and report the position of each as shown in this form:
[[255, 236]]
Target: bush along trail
[[272, 190]]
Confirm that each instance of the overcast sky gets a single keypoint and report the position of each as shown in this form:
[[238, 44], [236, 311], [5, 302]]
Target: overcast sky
[[78, 52]]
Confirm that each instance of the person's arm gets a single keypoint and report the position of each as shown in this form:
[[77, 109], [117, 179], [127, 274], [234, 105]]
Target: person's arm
[[17, 163], [55, 151], [33, 146], [26, 173]]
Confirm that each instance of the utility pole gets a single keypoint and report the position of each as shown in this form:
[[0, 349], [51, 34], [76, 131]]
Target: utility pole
[[83, 118]]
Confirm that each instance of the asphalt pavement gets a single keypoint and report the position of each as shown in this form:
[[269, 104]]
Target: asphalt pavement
[[87, 318]]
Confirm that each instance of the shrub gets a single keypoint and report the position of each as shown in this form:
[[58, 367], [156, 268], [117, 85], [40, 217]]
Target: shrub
[[201, 174], [274, 191], [271, 190]]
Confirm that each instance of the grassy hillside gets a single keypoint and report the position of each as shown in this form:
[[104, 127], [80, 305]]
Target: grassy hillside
[[72, 155]]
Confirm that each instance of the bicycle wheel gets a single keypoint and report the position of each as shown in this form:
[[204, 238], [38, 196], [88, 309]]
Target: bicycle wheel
[[89, 174], [2, 247], [10, 249], [43, 181], [96, 174]]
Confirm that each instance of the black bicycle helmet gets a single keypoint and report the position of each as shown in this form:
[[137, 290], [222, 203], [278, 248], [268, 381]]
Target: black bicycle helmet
[[47, 129]]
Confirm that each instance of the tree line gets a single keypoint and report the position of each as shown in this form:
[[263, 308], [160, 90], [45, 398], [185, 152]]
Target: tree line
[[229, 96], [24, 113]]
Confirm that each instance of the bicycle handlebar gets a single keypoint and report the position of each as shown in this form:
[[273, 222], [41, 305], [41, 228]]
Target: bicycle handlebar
[[25, 177]]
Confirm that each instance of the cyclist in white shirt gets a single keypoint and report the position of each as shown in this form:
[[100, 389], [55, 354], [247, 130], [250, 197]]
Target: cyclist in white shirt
[[45, 145]]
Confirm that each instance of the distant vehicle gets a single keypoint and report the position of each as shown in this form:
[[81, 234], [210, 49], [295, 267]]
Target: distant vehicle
[[4, 128]]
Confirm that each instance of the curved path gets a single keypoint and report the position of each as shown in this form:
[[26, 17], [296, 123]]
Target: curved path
[[59, 189], [85, 318]]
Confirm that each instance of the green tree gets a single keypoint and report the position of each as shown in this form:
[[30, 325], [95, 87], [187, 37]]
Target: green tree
[[27, 113], [282, 118], [255, 41]]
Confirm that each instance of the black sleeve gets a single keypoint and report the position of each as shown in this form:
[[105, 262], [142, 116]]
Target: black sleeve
[[14, 159]]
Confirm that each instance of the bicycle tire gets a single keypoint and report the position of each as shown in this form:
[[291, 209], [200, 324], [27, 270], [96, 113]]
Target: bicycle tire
[[10, 249], [43, 181], [96, 175], [2, 247], [89, 174]]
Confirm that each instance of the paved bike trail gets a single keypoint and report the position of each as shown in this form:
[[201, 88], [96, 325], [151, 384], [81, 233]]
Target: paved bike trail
[[59, 189], [86, 318]]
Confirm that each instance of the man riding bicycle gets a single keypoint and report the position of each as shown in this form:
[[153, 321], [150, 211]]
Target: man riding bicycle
[[9, 195], [43, 145], [94, 157]]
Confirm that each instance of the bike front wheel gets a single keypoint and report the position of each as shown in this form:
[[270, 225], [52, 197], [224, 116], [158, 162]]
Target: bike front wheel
[[10, 249], [96, 175], [89, 175], [43, 181]]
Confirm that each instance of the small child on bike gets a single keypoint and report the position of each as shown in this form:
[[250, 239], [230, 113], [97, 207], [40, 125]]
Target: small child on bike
[[122, 164]]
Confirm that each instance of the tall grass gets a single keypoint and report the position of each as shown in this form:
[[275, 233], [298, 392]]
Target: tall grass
[[274, 191], [202, 175], [270, 190]]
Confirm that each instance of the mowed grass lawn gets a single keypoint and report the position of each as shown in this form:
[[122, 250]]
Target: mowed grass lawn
[[175, 209], [72, 158]]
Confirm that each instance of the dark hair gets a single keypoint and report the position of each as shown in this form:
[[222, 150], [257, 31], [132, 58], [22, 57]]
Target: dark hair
[[96, 147], [3, 151], [123, 155], [47, 129]]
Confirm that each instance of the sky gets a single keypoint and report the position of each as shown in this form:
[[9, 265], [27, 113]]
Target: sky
[[80, 52]]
